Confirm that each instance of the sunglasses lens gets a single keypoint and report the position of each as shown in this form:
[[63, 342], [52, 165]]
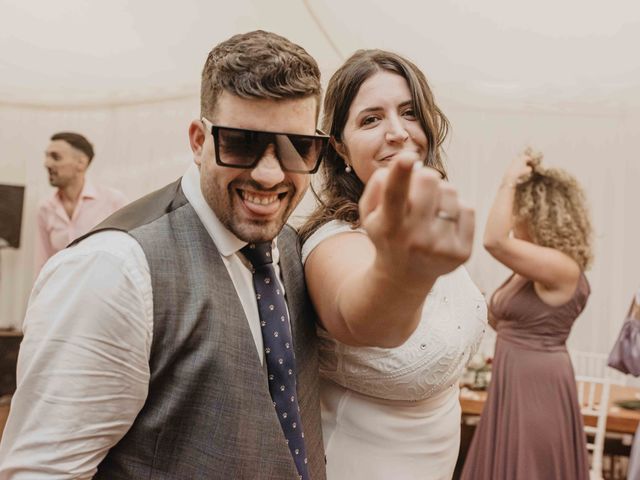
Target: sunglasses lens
[[240, 147], [299, 153], [243, 148]]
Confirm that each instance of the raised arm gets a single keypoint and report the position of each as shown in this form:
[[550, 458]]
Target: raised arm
[[370, 289], [550, 268]]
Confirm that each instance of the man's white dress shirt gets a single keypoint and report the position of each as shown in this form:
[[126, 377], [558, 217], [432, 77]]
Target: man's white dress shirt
[[83, 369]]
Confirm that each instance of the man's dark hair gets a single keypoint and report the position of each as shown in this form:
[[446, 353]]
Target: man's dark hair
[[258, 64], [77, 141]]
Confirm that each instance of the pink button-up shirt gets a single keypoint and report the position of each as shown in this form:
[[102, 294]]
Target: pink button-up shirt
[[56, 230]]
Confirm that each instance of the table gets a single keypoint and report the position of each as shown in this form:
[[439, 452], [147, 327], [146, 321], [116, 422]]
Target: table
[[10, 333], [619, 420], [4, 412]]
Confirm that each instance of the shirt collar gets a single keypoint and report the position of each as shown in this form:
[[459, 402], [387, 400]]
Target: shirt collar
[[89, 190], [226, 242]]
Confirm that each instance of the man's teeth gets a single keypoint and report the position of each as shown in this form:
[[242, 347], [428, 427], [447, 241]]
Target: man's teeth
[[259, 199]]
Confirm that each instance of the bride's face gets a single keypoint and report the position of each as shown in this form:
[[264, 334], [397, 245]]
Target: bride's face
[[381, 125]]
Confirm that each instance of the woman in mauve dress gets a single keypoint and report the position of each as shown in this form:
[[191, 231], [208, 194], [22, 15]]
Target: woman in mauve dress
[[531, 427]]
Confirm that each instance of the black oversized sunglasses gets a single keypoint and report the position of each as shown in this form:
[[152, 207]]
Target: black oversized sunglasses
[[243, 148]]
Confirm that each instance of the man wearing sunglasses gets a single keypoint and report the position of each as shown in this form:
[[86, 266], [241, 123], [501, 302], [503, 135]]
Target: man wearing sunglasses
[[177, 356]]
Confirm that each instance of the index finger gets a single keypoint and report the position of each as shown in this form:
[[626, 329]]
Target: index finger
[[372, 191], [396, 191]]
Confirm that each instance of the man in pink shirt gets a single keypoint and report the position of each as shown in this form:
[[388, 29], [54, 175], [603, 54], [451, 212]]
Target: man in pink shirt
[[78, 204]]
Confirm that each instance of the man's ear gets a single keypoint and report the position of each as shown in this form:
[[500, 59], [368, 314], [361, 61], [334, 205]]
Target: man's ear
[[82, 161], [339, 148], [197, 135]]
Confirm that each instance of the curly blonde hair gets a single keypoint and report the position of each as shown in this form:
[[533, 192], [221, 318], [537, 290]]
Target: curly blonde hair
[[552, 204]]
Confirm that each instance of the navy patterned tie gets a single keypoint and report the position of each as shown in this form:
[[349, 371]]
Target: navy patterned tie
[[278, 349]]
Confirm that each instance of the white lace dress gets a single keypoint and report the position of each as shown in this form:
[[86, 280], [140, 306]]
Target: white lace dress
[[395, 413]]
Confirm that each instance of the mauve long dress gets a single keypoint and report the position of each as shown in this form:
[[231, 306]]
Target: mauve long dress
[[531, 427]]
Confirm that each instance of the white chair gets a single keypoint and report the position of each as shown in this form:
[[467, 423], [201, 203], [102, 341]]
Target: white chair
[[593, 397], [592, 364]]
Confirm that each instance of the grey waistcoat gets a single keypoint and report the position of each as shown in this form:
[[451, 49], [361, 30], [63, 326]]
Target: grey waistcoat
[[209, 413]]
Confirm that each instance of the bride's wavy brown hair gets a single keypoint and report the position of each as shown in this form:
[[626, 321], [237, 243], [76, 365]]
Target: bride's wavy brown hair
[[340, 191], [552, 205]]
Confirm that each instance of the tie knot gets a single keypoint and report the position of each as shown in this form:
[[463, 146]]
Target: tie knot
[[259, 254]]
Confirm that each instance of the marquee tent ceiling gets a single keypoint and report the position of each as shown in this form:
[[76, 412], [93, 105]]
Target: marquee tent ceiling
[[79, 52]]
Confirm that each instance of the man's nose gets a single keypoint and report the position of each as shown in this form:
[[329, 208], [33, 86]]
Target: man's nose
[[268, 171]]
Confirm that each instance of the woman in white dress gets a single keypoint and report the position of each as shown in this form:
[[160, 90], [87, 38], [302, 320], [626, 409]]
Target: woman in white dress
[[399, 316]]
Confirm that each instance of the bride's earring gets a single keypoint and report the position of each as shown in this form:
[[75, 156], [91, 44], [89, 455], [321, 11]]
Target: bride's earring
[[347, 168]]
